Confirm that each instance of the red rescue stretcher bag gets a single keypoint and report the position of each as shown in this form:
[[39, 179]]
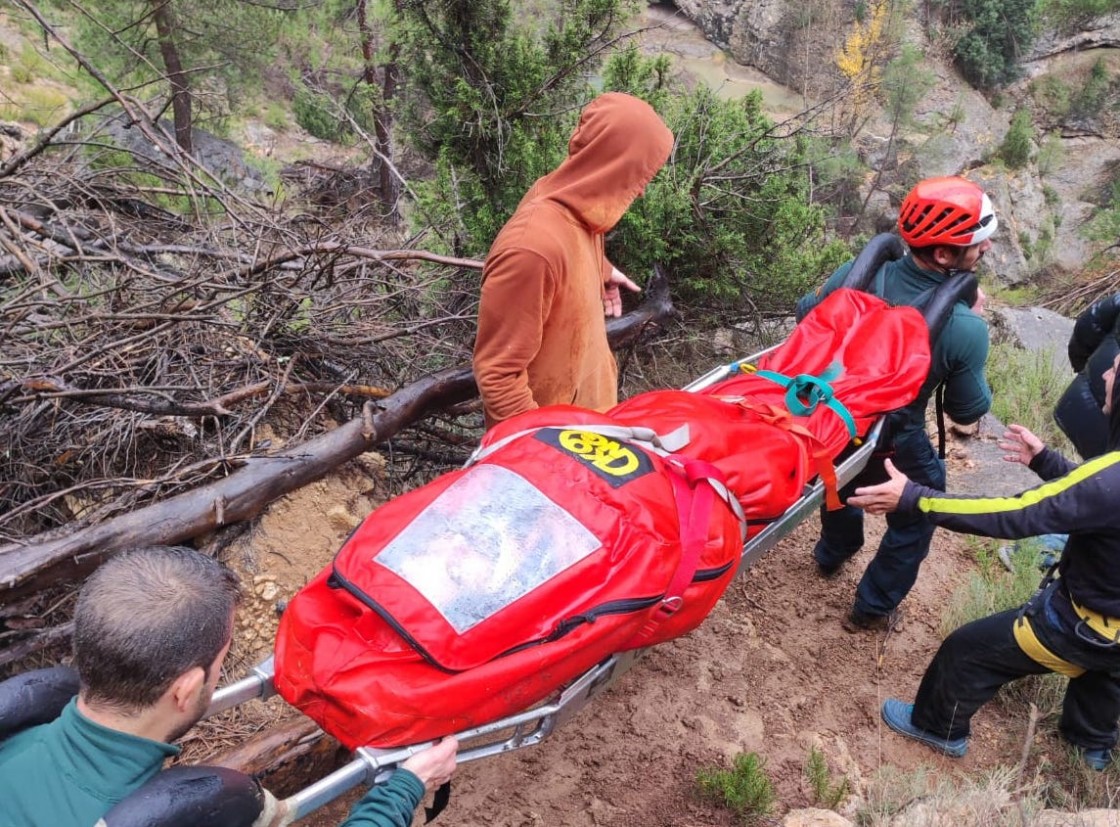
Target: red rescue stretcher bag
[[573, 535]]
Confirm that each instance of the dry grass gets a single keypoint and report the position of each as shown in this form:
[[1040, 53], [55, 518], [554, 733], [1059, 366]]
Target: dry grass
[[927, 798]]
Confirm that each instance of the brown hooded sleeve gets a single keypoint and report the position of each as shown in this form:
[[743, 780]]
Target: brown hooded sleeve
[[517, 291]]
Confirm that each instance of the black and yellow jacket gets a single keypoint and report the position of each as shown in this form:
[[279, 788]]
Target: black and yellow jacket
[[1080, 500]]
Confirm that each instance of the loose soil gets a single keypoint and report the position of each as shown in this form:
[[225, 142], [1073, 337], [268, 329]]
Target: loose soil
[[770, 671]]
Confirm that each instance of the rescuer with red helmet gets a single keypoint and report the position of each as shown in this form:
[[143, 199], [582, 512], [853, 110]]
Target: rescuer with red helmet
[[947, 224]]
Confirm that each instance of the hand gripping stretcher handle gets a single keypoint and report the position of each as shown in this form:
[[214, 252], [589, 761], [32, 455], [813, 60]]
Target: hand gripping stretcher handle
[[371, 765]]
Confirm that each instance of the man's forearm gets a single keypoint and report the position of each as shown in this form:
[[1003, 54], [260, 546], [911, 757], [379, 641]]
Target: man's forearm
[[391, 804]]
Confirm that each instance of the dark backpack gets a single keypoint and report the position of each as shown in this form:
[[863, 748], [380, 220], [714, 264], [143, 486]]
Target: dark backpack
[[935, 304], [178, 797], [1093, 346]]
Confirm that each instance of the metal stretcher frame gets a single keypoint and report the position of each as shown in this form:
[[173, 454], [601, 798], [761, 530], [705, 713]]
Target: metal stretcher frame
[[526, 729]]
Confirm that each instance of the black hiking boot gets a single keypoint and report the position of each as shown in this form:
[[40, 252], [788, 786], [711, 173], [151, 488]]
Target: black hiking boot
[[860, 621]]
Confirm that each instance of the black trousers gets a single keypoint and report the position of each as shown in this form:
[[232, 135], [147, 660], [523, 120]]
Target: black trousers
[[980, 657], [893, 570]]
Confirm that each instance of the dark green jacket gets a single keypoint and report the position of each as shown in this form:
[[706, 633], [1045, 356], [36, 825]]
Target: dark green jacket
[[958, 355], [70, 772]]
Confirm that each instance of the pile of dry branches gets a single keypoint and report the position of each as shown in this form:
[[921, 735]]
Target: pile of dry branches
[[176, 356], [154, 321]]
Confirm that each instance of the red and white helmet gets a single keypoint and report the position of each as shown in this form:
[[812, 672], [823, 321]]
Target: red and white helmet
[[950, 210]]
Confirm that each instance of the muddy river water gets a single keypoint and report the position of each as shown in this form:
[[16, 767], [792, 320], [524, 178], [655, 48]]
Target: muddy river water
[[665, 30]]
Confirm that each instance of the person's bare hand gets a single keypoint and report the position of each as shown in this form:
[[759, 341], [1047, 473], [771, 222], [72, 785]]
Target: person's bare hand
[[882, 498], [435, 765], [1021, 445], [612, 296], [981, 299]]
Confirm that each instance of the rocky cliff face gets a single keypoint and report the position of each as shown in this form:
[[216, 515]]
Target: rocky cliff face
[[792, 42], [954, 128]]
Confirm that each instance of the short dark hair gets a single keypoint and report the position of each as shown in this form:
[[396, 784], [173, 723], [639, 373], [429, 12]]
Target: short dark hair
[[147, 616]]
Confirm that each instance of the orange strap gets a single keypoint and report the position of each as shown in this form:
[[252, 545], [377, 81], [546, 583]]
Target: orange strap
[[780, 417]]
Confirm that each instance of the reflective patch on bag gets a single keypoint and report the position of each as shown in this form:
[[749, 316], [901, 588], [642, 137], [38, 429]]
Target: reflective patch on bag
[[490, 538], [614, 461]]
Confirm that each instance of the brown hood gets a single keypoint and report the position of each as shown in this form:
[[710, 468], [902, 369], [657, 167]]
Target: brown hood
[[617, 148]]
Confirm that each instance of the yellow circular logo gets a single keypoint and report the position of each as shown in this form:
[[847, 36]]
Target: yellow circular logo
[[601, 452]]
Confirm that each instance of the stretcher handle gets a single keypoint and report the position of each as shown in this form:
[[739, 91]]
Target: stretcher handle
[[259, 683], [372, 766], [721, 372]]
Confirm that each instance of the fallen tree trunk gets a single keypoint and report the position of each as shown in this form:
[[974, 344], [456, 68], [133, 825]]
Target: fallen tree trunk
[[43, 561], [287, 757]]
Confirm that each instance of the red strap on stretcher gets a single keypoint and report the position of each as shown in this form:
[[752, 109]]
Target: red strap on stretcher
[[780, 417], [694, 497]]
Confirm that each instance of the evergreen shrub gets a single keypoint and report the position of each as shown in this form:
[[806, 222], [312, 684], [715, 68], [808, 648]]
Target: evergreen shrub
[[1015, 151]]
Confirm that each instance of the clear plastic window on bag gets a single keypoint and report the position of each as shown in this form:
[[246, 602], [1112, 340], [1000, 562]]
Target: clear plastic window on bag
[[486, 541]]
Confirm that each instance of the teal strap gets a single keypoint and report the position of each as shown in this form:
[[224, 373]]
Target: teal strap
[[805, 392]]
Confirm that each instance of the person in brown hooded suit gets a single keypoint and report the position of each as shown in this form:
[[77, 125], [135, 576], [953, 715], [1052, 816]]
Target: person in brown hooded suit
[[547, 283]]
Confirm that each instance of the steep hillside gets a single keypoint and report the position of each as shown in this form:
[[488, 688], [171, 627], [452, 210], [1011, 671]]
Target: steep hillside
[[839, 55]]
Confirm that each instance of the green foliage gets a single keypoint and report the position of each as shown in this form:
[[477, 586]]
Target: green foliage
[[1026, 385], [1050, 155], [1053, 95], [41, 105], [223, 45], [269, 172], [1016, 296], [24, 70], [838, 173], [745, 789], [826, 793], [1037, 251], [994, 37], [646, 77], [731, 216], [1071, 15], [905, 83], [1089, 101], [1015, 151], [314, 111], [992, 588], [491, 99], [275, 116], [1104, 226]]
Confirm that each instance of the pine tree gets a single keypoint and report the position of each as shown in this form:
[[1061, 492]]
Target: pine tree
[[141, 43]]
